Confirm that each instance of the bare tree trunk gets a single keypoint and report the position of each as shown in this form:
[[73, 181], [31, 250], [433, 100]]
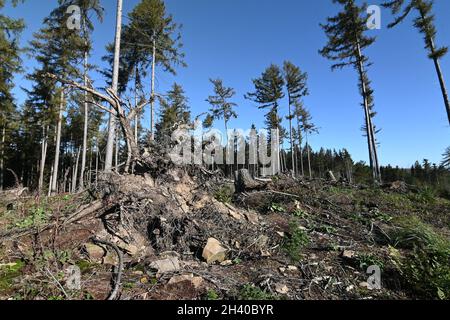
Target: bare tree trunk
[[152, 110], [115, 81], [85, 129], [2, 157], [369, 127], [291, 138], [116, 155], [437, 65], [75, 173], [44, 148], [58, 144], [308, 149]]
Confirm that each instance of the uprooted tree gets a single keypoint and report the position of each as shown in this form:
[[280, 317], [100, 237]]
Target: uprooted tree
[[122, 110]]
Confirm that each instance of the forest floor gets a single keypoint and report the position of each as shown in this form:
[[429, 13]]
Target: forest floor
[[291, 239]]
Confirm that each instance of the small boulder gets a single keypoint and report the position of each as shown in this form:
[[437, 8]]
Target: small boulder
[[95, 252], [166, 265], [197, 282], [214, 251]]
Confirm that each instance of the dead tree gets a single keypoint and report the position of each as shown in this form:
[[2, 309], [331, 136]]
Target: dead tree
[[124, 111]]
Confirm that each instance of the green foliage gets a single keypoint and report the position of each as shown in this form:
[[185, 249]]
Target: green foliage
[[295, 241], [10, 272], [276, 207], [37, 217], [367, 260], [425, 268], [212, 295], [299, 213], [251, 292], [224, 194], [426, 195]]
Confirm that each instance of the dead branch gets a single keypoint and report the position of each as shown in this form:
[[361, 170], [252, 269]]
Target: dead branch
[[119, 270]]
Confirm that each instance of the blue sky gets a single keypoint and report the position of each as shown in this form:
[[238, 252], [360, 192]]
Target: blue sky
[[237, 39]]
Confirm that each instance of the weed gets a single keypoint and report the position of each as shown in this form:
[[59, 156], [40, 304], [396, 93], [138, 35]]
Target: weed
[[276, 207], [295, 241], [224, 194], [425, 268], [212, 295], [10, 272], [367, 260], [251, 292]]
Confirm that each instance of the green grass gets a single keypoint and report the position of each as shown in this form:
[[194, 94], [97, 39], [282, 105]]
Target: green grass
[[425, 265]]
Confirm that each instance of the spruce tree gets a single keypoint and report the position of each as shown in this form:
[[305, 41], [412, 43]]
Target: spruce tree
[[175, 111], [268, 93], [296, 87], [221, 107], [346, 43], [150, 39], [424, 22], [10, 64]]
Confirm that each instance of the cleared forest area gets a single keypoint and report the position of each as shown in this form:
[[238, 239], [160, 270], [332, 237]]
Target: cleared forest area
[[96, 205]]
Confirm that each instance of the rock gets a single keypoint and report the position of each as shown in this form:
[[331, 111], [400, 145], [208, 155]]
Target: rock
[[166, 265], [227, 263], [281, 288], [197, 282], [348, 254], [252, 217], [262, 241], [214, 251], [95, 252], [292, 268], [281, 234]]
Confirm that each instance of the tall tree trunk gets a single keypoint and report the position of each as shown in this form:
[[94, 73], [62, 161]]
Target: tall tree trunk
[[291, 138], [437, 65], [152, 107], [116, 153], [443, 88], [44, 147], [85, 129], [369, 127], [75, 173], [300, 147], [309, 155], [115, 81], [54, 187], [2, 157]]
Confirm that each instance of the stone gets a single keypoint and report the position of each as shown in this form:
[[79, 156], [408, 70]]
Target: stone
[[197, 282], [214, 251], [166, 265], [262, 241], [227, 263], [292, 268], [281, 288], [348, 254], [95, 252], [252, 217]]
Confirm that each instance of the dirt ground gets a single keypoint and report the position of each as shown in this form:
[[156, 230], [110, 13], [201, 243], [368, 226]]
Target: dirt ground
[[292, 239]]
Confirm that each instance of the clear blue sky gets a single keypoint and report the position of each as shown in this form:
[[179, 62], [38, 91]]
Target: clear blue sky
[[237, 39]]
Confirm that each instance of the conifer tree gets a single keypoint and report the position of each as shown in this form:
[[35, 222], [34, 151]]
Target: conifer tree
[[424, 22], [10, 64], [175, 111], [268, 93], [346, 42], [296, 87], [150, 39], [221, 107]]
